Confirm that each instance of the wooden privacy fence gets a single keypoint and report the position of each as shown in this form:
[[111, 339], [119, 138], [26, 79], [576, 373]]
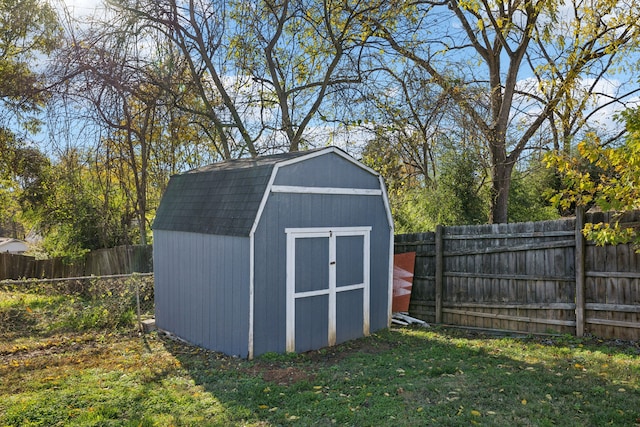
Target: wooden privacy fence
[[102, 262], [530, 277]]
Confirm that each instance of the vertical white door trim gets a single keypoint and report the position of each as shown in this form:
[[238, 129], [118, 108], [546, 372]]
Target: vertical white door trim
[[251, 293], [332, 290], [366, 260], [291, 289]]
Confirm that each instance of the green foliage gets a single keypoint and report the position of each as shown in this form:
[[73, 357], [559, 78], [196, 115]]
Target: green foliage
[[405, 192], [459, 199], [28, 28], [529, 194], [24, 182], [608, 177], [459, 194], [411, 211], [456, 196], [67, 214]]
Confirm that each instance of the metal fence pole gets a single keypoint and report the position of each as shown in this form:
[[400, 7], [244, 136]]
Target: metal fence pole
[[137, 284]]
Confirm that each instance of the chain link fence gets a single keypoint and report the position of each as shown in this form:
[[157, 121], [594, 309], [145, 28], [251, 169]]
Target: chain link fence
[[43, 307]]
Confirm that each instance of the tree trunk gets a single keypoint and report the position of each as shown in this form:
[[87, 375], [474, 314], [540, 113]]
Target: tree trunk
[[500, 184]]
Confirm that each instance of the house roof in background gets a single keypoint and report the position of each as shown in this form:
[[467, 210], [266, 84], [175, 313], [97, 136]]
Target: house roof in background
[[221, 198], [6, 241]]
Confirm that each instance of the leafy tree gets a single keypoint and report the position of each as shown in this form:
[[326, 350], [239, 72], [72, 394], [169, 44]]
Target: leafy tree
[[606, 176], [459, 196], [300, 53], [261, 70], [28, 28], [24, 181], [124, 94], [411, 115], [480, 52], [69, 209], [403, 182], [455, 196], [105, 75], [146, 121]]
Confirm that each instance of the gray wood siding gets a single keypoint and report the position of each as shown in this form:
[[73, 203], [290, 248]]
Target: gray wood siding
[[202, 289], [284, 210], [329, 170]]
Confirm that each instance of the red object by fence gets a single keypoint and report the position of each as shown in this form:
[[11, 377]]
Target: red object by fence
[[403, 265]]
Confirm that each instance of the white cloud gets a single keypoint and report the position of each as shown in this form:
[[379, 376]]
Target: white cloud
[[80, 10]]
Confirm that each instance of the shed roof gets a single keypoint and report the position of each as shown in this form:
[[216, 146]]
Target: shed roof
[[221, 198]]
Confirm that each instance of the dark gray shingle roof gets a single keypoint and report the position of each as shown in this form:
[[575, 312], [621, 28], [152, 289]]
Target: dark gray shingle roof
[[222, 198]]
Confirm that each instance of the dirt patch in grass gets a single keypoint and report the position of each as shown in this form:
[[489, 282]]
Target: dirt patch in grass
[[335, 355], [285, 376], [286, 369]]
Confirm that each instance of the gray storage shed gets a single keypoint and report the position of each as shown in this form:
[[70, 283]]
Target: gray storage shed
[[282, 253]]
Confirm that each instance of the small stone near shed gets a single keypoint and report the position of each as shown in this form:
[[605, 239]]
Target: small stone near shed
[[148, 325]]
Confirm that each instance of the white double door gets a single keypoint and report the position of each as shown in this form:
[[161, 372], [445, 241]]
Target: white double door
[[327, 286]]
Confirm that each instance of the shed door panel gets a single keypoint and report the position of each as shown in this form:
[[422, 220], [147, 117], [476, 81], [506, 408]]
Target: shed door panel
[[327, 286], [311, 317], [350, 260], [312, 258], [349, 315]]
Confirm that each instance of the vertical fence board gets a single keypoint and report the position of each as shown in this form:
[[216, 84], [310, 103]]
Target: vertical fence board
[[439, 279]]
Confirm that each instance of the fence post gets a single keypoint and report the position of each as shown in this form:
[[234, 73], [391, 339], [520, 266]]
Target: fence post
[[137, 285], [439, 273], [579, 271]]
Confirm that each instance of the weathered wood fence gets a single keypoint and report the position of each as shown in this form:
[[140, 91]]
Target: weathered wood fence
[[530, 277], [102, 262]]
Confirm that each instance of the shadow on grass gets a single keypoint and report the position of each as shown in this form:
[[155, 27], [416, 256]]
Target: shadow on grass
[[420, 377]]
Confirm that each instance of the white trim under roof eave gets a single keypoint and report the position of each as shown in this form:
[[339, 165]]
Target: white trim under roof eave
[[305, 156], [358, 163], [385, 200], [299, 189]]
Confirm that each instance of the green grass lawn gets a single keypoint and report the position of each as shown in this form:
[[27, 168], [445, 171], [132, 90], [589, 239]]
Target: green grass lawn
[[401, 377]]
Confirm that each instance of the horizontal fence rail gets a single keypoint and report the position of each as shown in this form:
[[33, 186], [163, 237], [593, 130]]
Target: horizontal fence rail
[[540, 277]]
